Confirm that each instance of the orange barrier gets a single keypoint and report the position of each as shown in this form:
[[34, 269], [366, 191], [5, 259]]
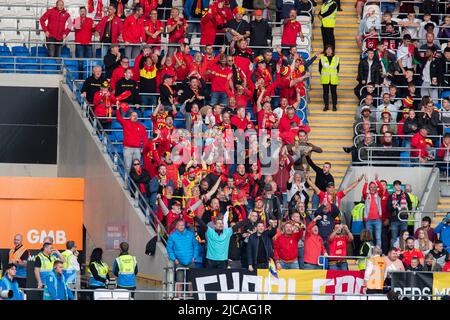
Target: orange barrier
[[39, 207]]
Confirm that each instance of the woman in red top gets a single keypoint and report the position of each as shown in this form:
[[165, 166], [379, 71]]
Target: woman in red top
[[153, 29]]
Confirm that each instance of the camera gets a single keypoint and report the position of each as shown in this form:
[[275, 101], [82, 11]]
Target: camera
[[6, 294]]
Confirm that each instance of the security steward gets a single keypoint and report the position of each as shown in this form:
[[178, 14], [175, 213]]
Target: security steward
[[43, 264], [56, 287], [125, 269], [375, 273], [329, 78], [19, 256], [327, 15], [71, 265]]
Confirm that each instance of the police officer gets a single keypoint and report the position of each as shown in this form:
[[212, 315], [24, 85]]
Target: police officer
[[99, 271], [56, 287], [43, 264], [71, 266], [9, 282], [327, 16], [125, 269], [19, 256], [329, 79]]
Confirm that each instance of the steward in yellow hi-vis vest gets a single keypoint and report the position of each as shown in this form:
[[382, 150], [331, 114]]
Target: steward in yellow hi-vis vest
[[329, 78], [125, 268], [327, 15]]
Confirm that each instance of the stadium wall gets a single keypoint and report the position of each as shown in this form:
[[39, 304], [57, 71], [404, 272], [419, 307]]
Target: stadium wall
[[107, 204]]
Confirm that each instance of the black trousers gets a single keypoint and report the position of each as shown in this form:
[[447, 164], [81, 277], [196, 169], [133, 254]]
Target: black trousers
[[213, 264], [326, 94], [385, 239], [54, 49], [327, 37]]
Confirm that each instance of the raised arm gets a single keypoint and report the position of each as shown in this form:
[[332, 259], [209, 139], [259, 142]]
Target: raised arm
[[313, 185], [353, 185]]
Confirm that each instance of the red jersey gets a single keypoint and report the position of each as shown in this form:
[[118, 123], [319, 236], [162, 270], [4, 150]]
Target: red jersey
[[285, 122], [117, 74], [338, 246], [409, 254], [170, 218], [291, 30], [177, 35], [58, 23], [152, 27], [242, 124], [133, 30], [285, 247], [219, 78], [418, 142], [266, 120], [84, 34], [162, 72], [242, 182], [208, 29], [151, 158]]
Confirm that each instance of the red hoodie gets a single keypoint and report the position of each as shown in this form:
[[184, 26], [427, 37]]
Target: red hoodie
[[116, 28], [134, 134], [285, 247], [58, 23], [242, 124], [133, 30], [418, 142], [314, 246]]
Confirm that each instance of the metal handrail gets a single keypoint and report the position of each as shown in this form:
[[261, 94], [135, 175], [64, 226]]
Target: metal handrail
[[359, 124], [118, 164], [417, 87], [320, 259], [370, 157], [359, 136]]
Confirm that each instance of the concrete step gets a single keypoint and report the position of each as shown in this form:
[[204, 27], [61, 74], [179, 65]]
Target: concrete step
[[331, 135], [337, 143]]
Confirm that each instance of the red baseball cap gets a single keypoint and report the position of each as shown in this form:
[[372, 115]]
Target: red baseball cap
[[258, 12]]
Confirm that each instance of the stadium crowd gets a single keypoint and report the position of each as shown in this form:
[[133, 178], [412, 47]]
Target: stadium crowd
[[219, 213]]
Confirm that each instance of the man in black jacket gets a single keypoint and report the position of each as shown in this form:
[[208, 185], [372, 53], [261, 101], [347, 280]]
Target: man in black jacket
[[111, 60], [259, 246], [272, 208], [167, 92], [260, 33], [194, 91], [323, 178], [92, 84], [398, 202], [369, 70]]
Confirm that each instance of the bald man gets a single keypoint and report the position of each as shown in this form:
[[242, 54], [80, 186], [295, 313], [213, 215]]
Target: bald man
[[19, 256]]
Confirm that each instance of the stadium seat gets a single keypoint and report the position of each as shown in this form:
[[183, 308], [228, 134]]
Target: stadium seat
[[50, 65], [39, 51], [27, 64], [5, 51], [179, 123], [6, 64], [103, 295], [65, 52], [20, 51]]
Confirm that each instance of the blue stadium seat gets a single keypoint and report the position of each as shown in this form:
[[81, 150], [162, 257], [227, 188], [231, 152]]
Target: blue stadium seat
[[20, 51], [4, 51], [65, 52], [88, 65], [148, 112], [50, 65], [118, 135], [98, 53], [304, 55], [6, 63], [39, 52], [148, 124], [27, 64]]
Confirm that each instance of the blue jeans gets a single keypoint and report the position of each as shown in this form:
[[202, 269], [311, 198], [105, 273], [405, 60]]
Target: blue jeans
[[338, 266], [396, 227], [386, 6], [219, 98], [290, 265], [315, 202], [83, 51], [301, 256], [308, 266], [374, 226]]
